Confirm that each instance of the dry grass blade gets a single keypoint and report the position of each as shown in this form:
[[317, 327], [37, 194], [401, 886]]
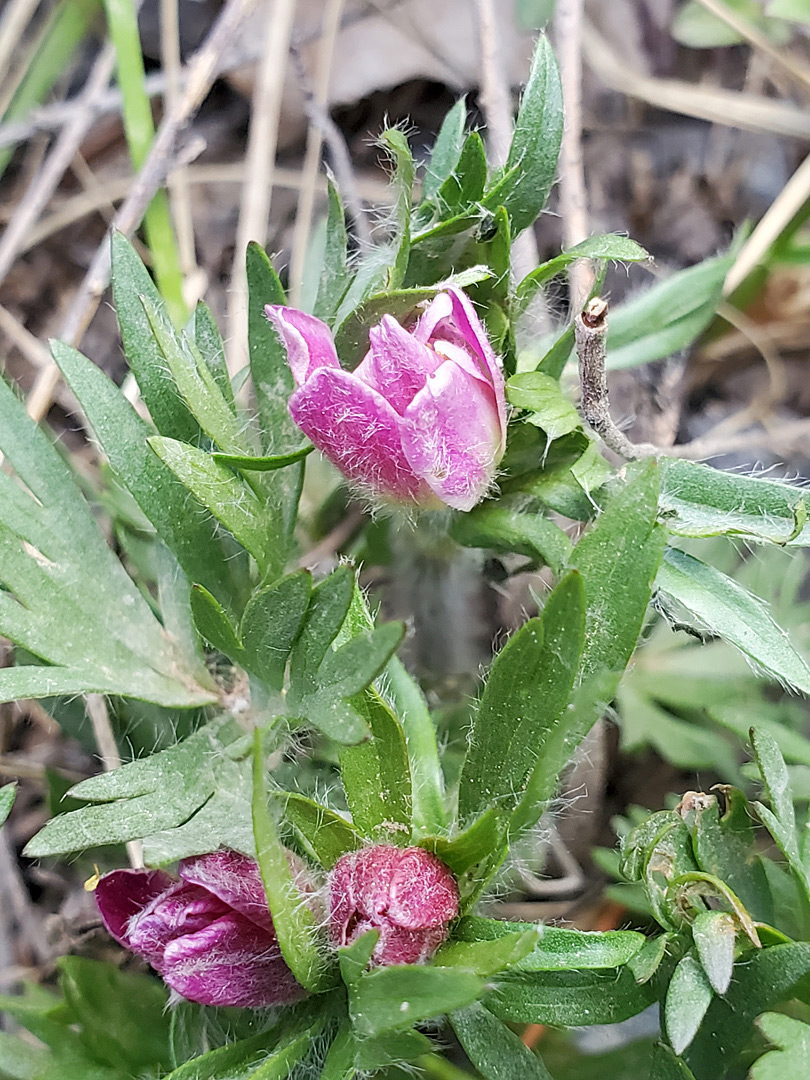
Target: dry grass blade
[[14, 19], [731, 108], [254, 211]]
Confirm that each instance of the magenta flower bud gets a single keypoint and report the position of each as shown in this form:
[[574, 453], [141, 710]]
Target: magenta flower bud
[[421, 420], [210, 936], [407, 894]]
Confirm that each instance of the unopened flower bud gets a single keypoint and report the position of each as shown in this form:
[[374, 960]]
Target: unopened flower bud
[[407, 894]]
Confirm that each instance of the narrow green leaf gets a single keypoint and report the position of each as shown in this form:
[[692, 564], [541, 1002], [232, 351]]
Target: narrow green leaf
[[213, 623], [527, 688], [618, 559], [541, 395], [227, 497], [262, 464], [698, 500], [7, 795], [720, 606], [376, 773], [211, 348], [513, 525], [532, 161], [557, 949], [667, 317], [469, 847], [714, 934], [666, 1065], [273, 384], [464, 186], [334, 278], [355, 958], [395, 143], [570, 998], [296, 926], [271, 624], [397, 997], [688, 997], [326, 833], [348, 670], [131, 281], [180, 521], [446, 149], [327, 610], [609, 246], [495, 1051], [488, 957], [391, 1048]]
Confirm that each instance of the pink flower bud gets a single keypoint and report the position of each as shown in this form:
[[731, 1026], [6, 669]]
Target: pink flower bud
[[421, 420], [210, 936], [407, 894]]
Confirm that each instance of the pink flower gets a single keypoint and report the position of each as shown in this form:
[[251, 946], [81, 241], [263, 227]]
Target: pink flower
[[422, 419], [407, 894], [210, 935]]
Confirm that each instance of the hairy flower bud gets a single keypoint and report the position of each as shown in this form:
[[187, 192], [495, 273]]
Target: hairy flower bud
[[421, 420], [210, 935], [407, 894]]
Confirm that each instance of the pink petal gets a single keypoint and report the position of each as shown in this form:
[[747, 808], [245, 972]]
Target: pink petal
[[358, 431], [230, 962], [234, 879], [453, 436], [466, 319], [396, 364], [399, 945], [124, 893], [180, 910], [308, 341], [439, 309]]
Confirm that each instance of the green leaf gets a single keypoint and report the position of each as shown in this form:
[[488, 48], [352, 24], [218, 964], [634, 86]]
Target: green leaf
[[495, 1051], [131, 281], [326, 833], [334, 276], [588, 702], [557, 949], [688, 997], [792, 1041], [541, 395], [766, 979], [327, 610], [570, 998], [195, 382], [396, 145], [152, 794], [667, 1066], [211, 348], [123, 1015], [397, 997], [510, 525], [720, 606], [488, 957], [714, 934], [228, 498], [464, 186], [179, 520], [609, 246], [271, 624], [697, 500], [667, 317], [7, 794], [391, 1048], [295, 925], [262, 464], [527, 688], [263, 1056], [780, 819], [66, 598], [376, 773], [273, 384], [618, 559], [470, 846], [446, 149], [355, 958], [532, 162], [213, 623]]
